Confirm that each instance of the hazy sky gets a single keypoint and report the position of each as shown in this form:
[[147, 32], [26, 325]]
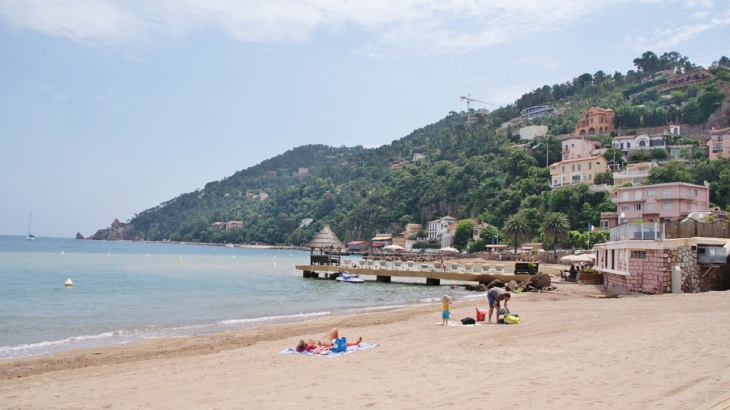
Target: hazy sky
[[111, 107]]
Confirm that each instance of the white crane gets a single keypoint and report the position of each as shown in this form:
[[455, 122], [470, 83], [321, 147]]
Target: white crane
[[469, 100]]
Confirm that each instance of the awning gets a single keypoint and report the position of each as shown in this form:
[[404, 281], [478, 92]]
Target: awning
[[357, 243], [497, 246], [383, 238], [377, 244]]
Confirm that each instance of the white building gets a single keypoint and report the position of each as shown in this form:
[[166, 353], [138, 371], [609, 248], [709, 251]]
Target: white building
[[533, 131], [628, 143], [437, 229], [575, 148]]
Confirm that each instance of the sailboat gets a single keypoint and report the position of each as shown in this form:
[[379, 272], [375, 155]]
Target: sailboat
[[30, 236]]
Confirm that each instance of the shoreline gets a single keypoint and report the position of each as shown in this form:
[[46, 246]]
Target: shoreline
[[571, 351]]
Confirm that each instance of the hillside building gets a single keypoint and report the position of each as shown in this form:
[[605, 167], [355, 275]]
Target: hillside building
[[719, 143], [533, 131], [634, 174], [234, 225], [577, 171], [437, 230], [698, 75], [536, 112], [579, 148], [596, 120], [628, 143], [656, 203]]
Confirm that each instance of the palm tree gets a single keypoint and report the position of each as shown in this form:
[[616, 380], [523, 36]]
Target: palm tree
[[555, 225], [517, 227]]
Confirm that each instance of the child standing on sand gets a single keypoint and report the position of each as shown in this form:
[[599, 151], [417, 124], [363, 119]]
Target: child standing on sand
[[446, 302]]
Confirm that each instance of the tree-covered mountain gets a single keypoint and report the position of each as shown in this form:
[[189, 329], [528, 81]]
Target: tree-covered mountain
[[473, 170]]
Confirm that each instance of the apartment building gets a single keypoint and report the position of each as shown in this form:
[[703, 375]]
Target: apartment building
[[579, 148], [634, 174], [719, 143], [656, 203], [576, 171], [596, 120], [628, 143]]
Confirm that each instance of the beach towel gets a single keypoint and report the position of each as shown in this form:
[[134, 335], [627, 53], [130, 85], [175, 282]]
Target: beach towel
[[350, 349]]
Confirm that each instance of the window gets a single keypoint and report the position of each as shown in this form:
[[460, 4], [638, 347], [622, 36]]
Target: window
[[624, 207], [590, 166], [642, 143], [563, 168], [637, 207], [689, 207], [637, 196], [638, 254], [572, 145], [590, 177], [666, 205], [649, 192], [650, 206], [578, 167], [604, 224], [628, 145], [573, 167], [625, 196], [717, 148], [695, 192], [667, 193]]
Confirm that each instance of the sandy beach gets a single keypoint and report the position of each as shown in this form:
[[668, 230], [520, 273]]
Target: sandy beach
[[572, 350]]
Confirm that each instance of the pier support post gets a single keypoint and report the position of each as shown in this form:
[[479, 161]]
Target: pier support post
[[306, 274], [433, 282], [384, 279]]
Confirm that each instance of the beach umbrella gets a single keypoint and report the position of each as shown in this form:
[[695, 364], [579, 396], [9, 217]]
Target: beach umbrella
[[585, 258], [394, 248], [449, 249], [570, 258]]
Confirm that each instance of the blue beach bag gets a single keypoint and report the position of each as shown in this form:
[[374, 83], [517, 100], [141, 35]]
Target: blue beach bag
[[340, 345]]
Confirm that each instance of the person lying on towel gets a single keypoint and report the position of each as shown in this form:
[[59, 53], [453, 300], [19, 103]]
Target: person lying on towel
[[326, 341]]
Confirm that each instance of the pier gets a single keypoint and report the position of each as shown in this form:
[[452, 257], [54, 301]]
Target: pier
[[432, 277]]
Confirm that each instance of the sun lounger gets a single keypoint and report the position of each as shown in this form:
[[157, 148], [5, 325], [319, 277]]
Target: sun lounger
[[397, 265], [500, 268], [477, 269], [467, 267], [384, 265], [410, 265]]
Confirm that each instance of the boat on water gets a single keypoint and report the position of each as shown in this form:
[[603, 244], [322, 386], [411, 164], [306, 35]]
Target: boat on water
[[229, 245], [30, 236], [346, 277]]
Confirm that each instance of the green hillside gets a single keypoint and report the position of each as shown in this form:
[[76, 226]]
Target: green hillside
[[469, 171]]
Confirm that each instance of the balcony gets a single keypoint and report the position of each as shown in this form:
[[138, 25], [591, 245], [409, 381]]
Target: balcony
[[637, 231], [637, 174]]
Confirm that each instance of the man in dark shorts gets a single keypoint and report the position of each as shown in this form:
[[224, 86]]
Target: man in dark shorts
[[494, 297]]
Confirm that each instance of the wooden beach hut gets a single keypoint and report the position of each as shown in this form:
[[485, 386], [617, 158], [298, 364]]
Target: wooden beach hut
[[327, 242]]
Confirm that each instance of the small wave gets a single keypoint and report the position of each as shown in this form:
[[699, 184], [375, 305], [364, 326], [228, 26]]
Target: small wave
[[291, 317]]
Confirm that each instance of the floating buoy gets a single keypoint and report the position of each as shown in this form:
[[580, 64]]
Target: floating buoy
[[108, 255], [274, 257], [147, 256], [180, 260], [200, 256], [68, 282], [234, 256], [61, 252], [274, 263]]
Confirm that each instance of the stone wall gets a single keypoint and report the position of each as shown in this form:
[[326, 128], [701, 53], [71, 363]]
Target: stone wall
[[654, 273]]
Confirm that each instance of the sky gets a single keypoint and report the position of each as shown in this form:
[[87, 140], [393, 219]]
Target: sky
[[108, 108]]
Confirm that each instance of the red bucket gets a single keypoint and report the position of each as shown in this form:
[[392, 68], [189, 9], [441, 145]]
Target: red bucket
[[481, 314]]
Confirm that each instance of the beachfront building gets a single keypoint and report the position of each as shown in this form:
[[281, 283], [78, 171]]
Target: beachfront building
[[381, 240], [719, 143], [628, 143], [698, 75], [218, 225], [577, 171], [477, 230], [656, 203], [536, 112], [234, 225], [634, 174], [595, 120], [437, 230], [399, 165], [579, 148], [533, 131], [639, 257], [357, 246]]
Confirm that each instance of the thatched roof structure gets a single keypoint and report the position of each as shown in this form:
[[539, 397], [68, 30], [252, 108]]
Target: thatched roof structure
[[325, 239]]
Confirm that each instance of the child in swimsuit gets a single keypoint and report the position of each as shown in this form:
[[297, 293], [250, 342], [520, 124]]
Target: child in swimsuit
[[446, 313]]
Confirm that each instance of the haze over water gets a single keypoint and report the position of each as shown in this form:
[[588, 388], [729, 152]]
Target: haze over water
[[128, 291]]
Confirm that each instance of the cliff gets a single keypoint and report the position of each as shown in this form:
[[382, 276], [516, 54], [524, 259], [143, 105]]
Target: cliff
[[116, 232]]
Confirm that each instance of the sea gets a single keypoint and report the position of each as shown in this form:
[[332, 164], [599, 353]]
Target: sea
[[124, 292]]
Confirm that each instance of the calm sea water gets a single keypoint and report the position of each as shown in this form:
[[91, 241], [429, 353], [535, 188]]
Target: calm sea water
[[125, 292]]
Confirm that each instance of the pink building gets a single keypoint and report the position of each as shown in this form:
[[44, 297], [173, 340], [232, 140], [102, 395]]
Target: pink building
[[578, 148], [656, 203], [719, 143]]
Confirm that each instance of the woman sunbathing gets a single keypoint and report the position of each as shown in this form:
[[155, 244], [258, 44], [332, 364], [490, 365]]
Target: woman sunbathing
[[326, 341]]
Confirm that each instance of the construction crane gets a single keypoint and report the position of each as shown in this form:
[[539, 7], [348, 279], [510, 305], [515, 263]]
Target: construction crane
[[469, 100]]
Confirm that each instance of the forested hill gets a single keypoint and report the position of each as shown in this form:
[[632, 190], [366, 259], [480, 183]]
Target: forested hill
[[468, 171]]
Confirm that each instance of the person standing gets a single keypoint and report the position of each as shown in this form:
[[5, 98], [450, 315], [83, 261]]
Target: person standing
[[446, 313], [494, 297]]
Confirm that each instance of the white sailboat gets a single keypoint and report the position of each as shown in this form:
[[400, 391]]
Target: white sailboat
[[30, 236]]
